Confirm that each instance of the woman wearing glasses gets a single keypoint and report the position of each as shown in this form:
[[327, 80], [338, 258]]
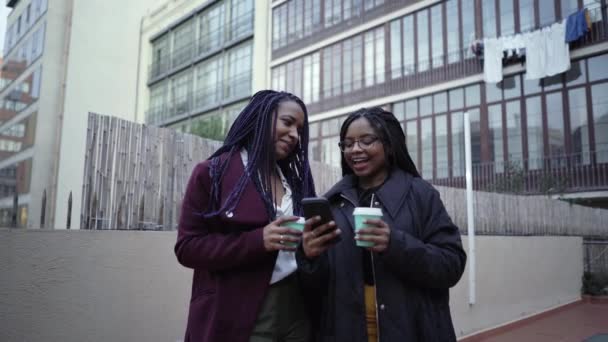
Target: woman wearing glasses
[[396, 290]]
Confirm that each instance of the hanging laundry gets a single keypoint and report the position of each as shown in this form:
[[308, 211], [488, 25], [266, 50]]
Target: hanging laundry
[[578, 25], [492, 60], [558, 51], [513, 45], [535, 54]]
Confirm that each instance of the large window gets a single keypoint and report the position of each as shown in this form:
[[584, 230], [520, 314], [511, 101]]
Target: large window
[[437, 35], [600, 120], [422, 19], [453, 33], [579, 130], [297, 19], [534, 120]]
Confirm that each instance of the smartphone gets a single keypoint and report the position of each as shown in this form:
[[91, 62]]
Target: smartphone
[[319, 206]]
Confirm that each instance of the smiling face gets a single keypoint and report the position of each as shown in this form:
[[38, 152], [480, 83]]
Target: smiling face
[[289, 124], [364, 153]]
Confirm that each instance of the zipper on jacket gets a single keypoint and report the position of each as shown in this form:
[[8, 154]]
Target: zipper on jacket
[[375, 288]]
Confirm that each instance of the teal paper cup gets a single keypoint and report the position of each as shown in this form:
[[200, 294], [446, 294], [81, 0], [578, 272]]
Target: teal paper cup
[[361, 214], [299, 225]]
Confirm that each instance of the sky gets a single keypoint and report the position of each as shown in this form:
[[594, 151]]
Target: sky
[[4, 11]]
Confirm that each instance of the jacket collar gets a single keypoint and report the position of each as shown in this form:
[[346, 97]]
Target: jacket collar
[[391, 194]]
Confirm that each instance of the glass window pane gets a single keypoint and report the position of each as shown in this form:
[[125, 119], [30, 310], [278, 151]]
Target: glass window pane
[[396, 49], [458, 157], [493, 92], [552, 82], [568, 7], [437, 35], [555, 122], [357, 62], [426, 134], [534, 119], [453, 27], [526, 15], [495, 125], [577, 73], [511, 87], [399, 110], [514, 133], [600, 120], [468, 26], [546, 12], [379, 52], [347, 66], [409, 66], [475, 122], [532, 86], [423, 40], [426, 105], [440, 103], [579, 130], [489, 18], [441, 145], [597, 68], [472, 95], [369, 58], [411, 137], [507, 17], [411, 109], [456, 98]]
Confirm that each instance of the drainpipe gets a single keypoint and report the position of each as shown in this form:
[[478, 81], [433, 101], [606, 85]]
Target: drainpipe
[[470, 212]]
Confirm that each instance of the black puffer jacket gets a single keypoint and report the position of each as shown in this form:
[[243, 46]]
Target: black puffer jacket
[[413, 276]]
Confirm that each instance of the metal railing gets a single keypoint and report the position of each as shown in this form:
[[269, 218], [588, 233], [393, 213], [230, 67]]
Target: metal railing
[[551, 175]]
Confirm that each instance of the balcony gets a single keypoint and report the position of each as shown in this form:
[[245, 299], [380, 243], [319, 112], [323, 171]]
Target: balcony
[[420, 74], [556, 175]]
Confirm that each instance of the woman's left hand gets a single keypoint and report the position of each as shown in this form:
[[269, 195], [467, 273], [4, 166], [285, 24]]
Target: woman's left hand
[[378, 232]]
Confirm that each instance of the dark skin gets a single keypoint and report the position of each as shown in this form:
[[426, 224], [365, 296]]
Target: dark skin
[[289, 124], [369, 164]]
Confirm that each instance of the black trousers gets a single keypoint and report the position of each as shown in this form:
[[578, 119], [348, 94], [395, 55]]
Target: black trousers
[[283, 315]]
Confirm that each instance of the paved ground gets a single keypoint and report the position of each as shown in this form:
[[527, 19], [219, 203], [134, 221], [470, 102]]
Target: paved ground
[[584, 321]]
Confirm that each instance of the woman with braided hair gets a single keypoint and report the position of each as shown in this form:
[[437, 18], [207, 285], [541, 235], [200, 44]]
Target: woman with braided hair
[[245, 285], [388, 281]]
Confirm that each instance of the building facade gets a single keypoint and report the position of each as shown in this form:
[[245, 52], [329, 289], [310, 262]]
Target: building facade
[[62, 59], [199, 57], [547, 136]]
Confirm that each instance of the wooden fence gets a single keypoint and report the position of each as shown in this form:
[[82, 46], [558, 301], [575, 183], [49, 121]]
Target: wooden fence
[[135, 177]]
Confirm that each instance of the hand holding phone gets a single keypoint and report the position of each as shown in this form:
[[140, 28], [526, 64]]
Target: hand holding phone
[[320, 230]]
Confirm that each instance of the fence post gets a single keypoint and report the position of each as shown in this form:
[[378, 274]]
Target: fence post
[[15, 209], [43, 209], [69, 222]]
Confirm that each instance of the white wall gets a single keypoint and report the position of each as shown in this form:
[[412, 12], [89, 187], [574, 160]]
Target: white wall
[[102, 78], [127, 286], [517, 277]]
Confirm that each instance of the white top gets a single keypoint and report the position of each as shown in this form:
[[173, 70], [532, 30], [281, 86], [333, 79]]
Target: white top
[[286, 260]]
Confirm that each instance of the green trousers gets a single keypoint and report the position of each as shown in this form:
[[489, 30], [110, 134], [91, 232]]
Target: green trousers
[[283, 315]]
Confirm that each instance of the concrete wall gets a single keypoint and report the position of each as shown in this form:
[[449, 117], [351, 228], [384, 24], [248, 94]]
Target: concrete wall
[[517, 277], [101, 77], [127, 286]]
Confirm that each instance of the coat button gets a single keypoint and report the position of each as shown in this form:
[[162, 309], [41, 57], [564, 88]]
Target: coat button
[[376, 203], [229, 214], [341, 204], [382, 306]]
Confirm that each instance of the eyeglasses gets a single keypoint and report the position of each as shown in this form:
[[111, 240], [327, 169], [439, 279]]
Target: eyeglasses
[[364, 143]]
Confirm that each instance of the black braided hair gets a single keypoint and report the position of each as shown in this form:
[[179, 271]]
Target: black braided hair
[[254, 130], [389, 130]]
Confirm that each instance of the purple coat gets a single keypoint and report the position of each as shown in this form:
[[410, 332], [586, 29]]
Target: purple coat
[[232, 270]]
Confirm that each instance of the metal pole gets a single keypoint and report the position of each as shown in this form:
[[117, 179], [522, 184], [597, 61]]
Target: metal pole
[[470, 212]]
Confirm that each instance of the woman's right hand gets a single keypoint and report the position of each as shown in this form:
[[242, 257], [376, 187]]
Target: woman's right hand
[[276, 237], [315, 240]]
